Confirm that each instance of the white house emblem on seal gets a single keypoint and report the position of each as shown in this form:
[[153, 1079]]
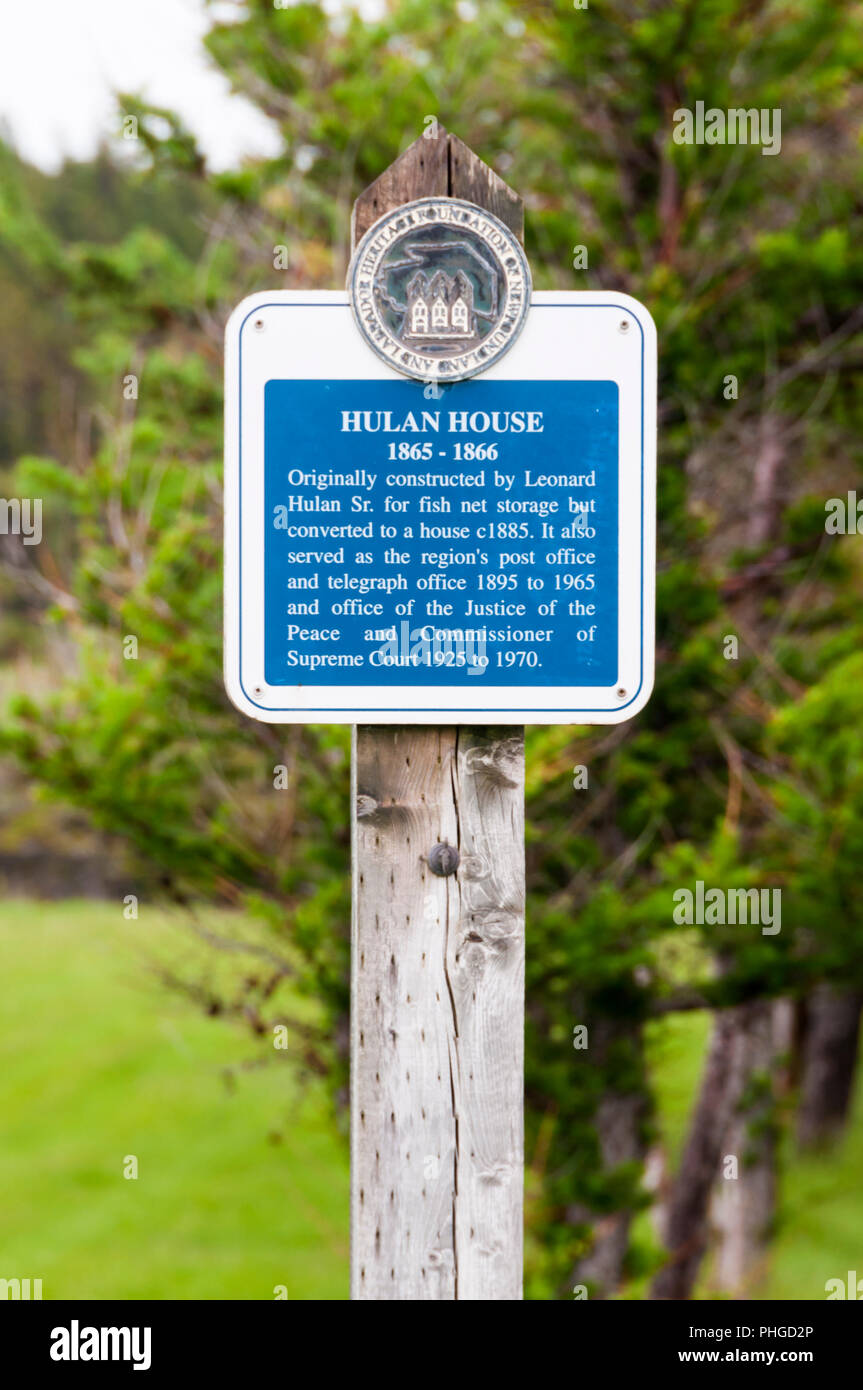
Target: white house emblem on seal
[[439, 289]]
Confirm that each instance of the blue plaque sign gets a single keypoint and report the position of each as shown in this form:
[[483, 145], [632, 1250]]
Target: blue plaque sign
[[472, 551]]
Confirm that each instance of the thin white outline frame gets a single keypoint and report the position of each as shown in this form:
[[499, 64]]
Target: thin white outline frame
[[317, 340]]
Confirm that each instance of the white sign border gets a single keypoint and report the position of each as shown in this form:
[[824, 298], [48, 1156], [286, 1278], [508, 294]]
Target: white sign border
[[309, 345]]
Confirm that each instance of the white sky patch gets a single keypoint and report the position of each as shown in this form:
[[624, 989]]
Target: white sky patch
[[60, 62]]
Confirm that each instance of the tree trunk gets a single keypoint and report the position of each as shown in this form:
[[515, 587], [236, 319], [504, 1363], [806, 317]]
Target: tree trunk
[[745, 1196], [620, 1129], [721, 1090], [831, 1037]]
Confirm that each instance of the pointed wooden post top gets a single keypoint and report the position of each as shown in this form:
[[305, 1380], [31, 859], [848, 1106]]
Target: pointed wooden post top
[[439, 165]]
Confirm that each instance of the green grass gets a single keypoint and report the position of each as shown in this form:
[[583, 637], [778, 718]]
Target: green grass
[[245, 1187], [819, 1232], [239, 1188]]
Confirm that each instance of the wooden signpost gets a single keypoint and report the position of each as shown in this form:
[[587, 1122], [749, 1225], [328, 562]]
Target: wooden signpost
[[437, 973], [438, 560]]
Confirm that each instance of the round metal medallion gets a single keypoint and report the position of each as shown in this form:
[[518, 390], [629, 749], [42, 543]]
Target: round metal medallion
[[439, 289]]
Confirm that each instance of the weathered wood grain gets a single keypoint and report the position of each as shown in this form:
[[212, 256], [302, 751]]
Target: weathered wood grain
[[471, 179], [444, 166], [421, 171], [437, 964], [485, 969], [437, 1016]]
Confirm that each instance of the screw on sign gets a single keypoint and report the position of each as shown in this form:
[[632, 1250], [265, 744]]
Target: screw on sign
[[439, 526], [443, 860]]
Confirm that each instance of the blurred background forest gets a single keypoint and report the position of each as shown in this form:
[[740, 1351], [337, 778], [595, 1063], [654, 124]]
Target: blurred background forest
[[136, 777]]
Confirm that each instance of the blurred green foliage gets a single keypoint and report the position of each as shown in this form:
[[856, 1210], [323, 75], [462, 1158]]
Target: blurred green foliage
[[739, 772]]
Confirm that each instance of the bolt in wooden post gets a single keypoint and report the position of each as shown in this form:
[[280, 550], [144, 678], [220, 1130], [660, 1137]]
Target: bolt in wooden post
[[437, 988]]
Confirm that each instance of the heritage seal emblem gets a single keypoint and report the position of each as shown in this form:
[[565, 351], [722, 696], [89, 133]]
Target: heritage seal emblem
[[439, 289]]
